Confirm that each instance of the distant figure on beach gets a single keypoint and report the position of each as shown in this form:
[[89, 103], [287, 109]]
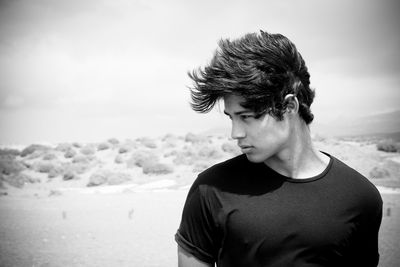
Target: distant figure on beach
[[282, 202]]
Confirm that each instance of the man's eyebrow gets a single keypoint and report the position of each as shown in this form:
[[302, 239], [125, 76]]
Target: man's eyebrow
[[238, 112]]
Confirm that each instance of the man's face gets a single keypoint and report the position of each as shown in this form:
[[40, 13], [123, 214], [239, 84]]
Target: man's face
[[259, 138]]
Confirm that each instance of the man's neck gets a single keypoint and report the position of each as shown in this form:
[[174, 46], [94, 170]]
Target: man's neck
[[299, 159]]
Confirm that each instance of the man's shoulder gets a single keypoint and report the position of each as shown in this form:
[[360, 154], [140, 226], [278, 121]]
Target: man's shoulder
[[343, 169], [223, 171], [227, 166], [352, 179]]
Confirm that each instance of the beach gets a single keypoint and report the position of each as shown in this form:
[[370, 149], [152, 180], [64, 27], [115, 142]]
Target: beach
[[119, 229], [119, 203]]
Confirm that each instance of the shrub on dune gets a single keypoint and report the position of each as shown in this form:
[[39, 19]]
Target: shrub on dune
[[36, 154], [81, 159], [8, 165], [118, 178], [127, 146], [9, 152], [171, 153], [27, 165], [157, 168], [386, 169], [69, 153], [196, 138], [19, 180], [147, 142], [209, 153], [30, 179], [49, 156], [113, 141], [169, 136], [53, 193], [52, 174], [63, 147], [70, 175], [55, 171], [124, 149], [103, 146], [170, 141], [76, 144], [34, 148], [77, 167], [44, 166], [1, 181], [185, 157], [100, 177], [388, 146], [379, 172], [140, 158], [230, 148], [119, 159], [87, 150], [200, 166]]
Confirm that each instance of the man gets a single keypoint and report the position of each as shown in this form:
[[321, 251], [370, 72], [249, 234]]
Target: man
[[282, 202]]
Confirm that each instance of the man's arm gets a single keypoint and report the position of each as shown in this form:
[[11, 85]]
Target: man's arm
[[185, 259]]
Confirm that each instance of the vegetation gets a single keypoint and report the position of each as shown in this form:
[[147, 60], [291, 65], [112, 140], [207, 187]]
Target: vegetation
[[143, 159], [157, 168], [140, 158], [388, 146], [87, 150], [379, 172], [70, 153], [33, 148], [101, 177], [8, 165], [103, 146]]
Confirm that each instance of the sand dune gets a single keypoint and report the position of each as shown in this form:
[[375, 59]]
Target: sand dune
[[118, 203]]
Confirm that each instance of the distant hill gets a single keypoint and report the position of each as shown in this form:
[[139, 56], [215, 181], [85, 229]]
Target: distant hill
[[383, 125], [375, 137], [379, 124]]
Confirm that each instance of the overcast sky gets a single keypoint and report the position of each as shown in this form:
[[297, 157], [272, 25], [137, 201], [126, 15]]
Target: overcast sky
[[86, 70]]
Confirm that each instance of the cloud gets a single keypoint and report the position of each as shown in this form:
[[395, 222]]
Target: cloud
[[127, 60], [13, 101]]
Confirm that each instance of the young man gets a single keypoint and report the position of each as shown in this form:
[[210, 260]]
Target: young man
[[282, 202]]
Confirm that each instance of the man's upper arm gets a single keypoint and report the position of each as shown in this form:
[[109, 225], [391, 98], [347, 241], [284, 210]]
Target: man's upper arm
[[198, 233], [185, 259]]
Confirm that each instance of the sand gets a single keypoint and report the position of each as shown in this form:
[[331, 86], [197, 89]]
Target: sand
[[118, 229], [53, 222], [128, 229]]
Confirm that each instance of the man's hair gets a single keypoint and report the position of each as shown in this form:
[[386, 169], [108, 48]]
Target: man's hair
[[262, 68]]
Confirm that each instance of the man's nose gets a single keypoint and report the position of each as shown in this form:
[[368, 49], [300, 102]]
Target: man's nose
[[237, 131]]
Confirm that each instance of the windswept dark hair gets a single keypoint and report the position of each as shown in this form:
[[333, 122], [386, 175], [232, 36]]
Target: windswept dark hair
[[262, 68]]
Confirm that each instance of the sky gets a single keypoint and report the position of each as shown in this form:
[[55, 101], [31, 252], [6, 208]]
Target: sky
[[86, 70]]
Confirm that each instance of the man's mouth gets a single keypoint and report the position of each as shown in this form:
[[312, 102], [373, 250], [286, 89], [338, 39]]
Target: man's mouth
[[245, 149]]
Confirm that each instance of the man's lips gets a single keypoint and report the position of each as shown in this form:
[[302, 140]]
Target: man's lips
[[245, 148], [243, 145]]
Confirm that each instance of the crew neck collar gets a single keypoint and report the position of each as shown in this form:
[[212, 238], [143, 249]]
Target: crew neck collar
[[305, 180]]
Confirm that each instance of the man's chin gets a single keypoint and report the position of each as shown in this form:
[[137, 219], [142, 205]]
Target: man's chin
[[253, 158]]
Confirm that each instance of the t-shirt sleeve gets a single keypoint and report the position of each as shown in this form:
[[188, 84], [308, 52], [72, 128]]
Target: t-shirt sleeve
[[365, 250], [197, 233], [362, 247]]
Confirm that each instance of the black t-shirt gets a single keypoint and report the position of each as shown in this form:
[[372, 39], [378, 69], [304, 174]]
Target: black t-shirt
[[239, 213]]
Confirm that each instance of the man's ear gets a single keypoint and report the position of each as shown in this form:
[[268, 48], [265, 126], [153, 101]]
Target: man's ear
[[292, 104]]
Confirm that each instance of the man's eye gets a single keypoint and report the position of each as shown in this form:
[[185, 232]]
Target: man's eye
[[244, 117]]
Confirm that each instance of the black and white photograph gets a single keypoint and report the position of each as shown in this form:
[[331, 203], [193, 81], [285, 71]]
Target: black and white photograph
[[199, 133]]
